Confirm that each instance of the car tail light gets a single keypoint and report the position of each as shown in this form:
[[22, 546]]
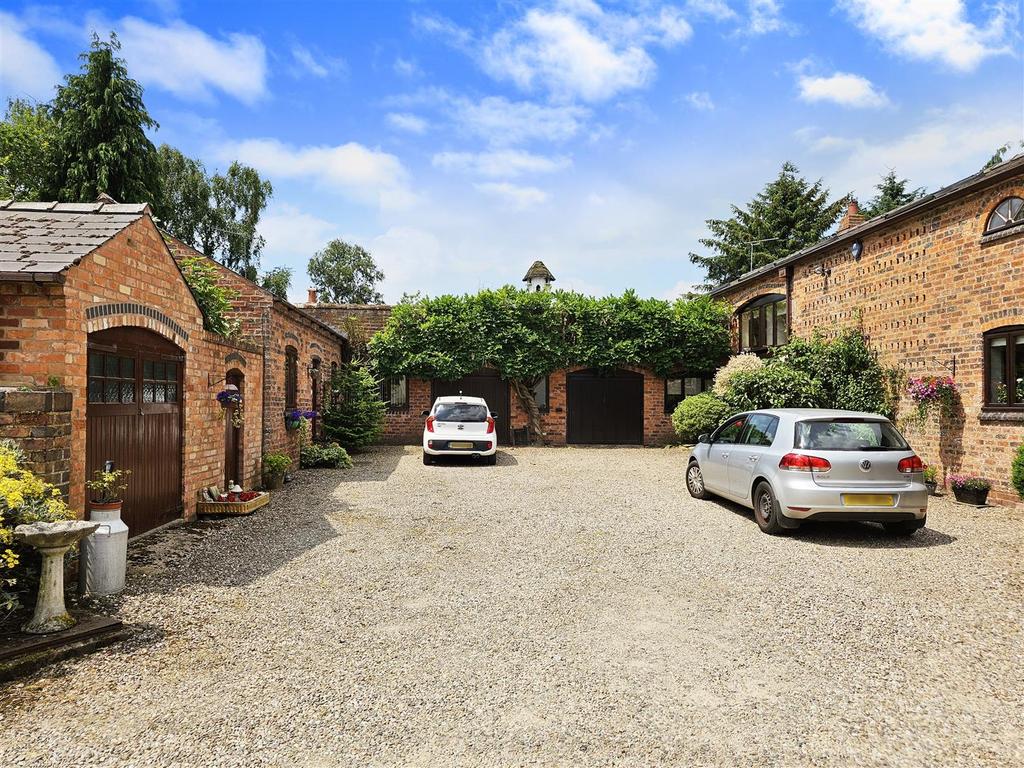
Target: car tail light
[[798, 462], [490, 425], [911, 464], [430, 423]]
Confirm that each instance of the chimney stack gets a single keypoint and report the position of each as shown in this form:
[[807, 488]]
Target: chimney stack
[[312, 296], [852, 218]]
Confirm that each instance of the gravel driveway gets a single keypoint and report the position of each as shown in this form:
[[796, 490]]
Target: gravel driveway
[[567, 607]]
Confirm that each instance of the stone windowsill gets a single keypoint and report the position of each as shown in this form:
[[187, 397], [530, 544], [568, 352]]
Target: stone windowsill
[[1003, 233], [1005, 415]]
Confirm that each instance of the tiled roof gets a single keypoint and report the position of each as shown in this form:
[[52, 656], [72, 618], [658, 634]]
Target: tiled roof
[[537, 269], [38, 241]]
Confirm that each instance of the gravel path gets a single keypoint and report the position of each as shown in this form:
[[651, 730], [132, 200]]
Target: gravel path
[[567, 607]]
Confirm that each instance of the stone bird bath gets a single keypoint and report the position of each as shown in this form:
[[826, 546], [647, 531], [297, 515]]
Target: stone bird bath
[[52, 540]]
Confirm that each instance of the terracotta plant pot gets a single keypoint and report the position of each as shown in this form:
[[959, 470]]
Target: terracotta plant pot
[[106, 506], [971, 495]]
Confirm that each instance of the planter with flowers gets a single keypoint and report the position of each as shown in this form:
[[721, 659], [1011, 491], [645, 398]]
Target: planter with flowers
[[931, 480], [232, 503], [293, 419], [931, 392], [275, 465], [232, 398], [970, 489]]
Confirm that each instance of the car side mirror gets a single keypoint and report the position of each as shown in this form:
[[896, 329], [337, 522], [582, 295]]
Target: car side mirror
[[494, 414], [705, 438], [425, 413]]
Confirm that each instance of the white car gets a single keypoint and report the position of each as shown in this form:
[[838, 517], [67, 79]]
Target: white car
[[460, 426]]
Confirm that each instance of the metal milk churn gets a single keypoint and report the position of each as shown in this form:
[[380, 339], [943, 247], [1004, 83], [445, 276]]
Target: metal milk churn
[[104, 554]]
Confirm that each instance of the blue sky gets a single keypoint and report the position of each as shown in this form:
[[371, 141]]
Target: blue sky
[[460, 141]]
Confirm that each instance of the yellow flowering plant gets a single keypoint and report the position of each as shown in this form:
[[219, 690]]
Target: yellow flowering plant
[[24, 498]]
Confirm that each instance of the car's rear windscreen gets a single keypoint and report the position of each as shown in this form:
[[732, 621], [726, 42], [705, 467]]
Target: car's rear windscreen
[[460, 412], [849, 435]]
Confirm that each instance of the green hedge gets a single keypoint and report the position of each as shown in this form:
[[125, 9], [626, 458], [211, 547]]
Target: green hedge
[[699, 414]]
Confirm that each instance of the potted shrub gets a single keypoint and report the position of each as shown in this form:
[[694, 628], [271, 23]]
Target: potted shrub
[[106, 488], [931, 479], [274, 467], [970, 489]]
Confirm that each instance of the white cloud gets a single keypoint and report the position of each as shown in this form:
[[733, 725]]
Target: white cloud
[[718, 10], [700, 100], [935, 29], [26, 69], [190, 64], [507, 163], [504, 122], [316, 63], [940, 149], [841, 88], [356, 171], [681, 288], [765, 16], [516, 196], [292, 234], [573, 49], [405, 121], [407, 68]]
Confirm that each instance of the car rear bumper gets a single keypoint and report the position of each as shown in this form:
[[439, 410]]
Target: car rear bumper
[[808, 501], [441, 446]]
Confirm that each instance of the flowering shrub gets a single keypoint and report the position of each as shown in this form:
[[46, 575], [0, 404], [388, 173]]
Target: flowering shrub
[[737, 364], [24, 498], [969, 483], [1017, 472], [931, 391]]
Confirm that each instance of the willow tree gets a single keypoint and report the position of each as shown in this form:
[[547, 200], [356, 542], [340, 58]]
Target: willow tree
[[526, 335]]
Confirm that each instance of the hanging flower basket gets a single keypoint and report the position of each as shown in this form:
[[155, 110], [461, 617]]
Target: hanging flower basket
[[232, 397], [293, 419], [929, 392]]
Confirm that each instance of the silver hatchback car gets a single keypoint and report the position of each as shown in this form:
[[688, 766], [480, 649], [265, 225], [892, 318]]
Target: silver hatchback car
[[796, 464]]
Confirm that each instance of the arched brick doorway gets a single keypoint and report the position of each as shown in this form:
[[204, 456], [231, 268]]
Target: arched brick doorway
[[233, 435], [133, 418]]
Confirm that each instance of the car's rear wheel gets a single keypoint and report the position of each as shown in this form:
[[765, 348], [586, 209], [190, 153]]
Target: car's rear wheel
[[491, 460], [903, 527], [427, 459], [766, 510], [695, 481]]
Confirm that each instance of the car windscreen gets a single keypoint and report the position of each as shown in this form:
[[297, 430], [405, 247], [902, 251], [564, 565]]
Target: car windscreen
[[460, 412], [849, 435]]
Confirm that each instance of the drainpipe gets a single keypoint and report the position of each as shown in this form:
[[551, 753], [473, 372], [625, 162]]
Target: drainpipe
[[789, 301]]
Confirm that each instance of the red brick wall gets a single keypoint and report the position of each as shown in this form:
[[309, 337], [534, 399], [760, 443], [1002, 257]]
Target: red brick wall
[[925, 290], [40, 422], [370, 317]]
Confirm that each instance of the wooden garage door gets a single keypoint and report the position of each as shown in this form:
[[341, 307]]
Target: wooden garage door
[[134, 419], [488, 385], [605, 408]]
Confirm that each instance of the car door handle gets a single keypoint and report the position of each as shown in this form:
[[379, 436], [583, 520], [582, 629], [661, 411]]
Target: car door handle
[[753, 457], [725, 455]]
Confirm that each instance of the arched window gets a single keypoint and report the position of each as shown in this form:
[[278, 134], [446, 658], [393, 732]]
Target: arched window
[[764, 323], [1004, 367], [291, 377], [1009, 212]]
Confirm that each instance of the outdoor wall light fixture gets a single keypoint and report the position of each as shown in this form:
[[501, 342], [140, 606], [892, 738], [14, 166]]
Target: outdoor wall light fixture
[[822, 270], [856, 249]]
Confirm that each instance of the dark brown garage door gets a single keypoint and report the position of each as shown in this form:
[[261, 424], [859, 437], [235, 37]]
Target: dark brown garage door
[[605, 408], [134, 419], [488, 385]]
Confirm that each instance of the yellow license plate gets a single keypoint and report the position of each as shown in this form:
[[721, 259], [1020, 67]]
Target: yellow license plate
[[869, 500], [459, 446]]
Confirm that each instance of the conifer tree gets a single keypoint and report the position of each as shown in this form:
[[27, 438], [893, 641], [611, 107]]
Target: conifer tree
[[790, 213], [892, 193]]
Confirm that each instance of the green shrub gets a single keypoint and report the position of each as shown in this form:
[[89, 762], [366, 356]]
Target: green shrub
[[845, 367], [354, 416], [774, 386], [737, 364], [1017, 472], [216, 301], [330, 455], [699, 414], [275, 464]]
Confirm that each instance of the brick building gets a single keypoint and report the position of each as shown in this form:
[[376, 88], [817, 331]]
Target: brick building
[[938, 286], [103, 356], [578, 406]]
